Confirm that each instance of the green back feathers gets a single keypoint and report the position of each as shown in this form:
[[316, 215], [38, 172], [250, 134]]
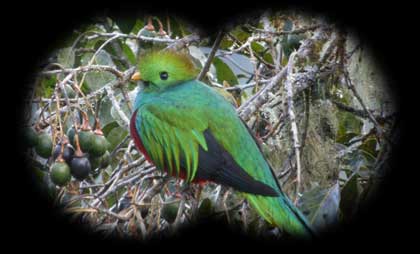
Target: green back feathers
[[177, 66]]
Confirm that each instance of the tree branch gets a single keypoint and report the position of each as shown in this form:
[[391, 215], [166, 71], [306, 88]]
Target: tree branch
[[296, 31], [210, 57], [83, 69], [290, 106]]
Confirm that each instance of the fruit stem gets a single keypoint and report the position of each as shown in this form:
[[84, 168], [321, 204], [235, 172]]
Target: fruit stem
[[60, 157], [149, 26], [85, 124], [76, 140], [161, 30], [98, 130], [58, 114]]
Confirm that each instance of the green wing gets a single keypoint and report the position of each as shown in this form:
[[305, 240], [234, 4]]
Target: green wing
[[169, 135]]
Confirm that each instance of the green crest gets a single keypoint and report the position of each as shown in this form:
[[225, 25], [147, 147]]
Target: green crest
[[166, 68]]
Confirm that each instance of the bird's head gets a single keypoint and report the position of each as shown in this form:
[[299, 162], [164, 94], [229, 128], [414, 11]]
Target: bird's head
[[161, 69]]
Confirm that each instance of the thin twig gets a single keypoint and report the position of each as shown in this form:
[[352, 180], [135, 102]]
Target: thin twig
[[257, 100], [116, 106], [88, 68], [306, 123], [129, 36], [362, 113], [210, 57], [290, 106], [296, 31], [184, 42], [359, 99]]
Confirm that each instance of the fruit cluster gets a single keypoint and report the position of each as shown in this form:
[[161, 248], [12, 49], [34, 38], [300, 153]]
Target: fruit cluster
[[78, 153]]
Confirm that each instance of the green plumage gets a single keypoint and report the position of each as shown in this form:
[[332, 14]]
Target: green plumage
[[171, 117]]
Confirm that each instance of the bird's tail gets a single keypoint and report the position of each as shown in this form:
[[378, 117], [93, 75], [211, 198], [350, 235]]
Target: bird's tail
[[281, 212]]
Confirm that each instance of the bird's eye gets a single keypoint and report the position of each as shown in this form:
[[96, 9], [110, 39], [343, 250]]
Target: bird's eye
[[163, 75]]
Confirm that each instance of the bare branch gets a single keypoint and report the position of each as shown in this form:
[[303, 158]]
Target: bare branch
[[361, 113], [291, 112], [184, 42], [116, 106], [210, 57], [129, 36], [296, 31], [83, 69], [257, 100]]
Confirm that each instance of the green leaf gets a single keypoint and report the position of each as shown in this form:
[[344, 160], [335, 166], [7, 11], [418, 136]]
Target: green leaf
[[137, 26], [65, 57], [358, 162], [344, 138], [206, 208], [46, 87], [223, 72], [170, 210], [348, 125], [112, 199], [321, 206], [349, 198], [179, 27], [369, 146], [241, 75], [268, 57], [240, 34], [115, 136], [129, 53], [125, 24], [226, 43], [105, 116], [96, 80], [108, 127], [257, 47]]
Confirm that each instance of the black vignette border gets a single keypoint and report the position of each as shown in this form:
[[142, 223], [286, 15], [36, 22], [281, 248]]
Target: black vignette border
[[47, 24]]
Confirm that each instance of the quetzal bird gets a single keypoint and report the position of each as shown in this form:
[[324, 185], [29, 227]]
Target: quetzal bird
[[188, 130]]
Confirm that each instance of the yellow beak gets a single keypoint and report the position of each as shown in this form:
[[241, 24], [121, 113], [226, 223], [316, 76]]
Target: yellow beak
[[136, 76]]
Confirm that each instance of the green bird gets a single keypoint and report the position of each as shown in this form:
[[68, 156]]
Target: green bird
[[188, 130]]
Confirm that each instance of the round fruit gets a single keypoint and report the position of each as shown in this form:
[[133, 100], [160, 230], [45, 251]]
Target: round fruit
[[60, 173], [80, 166], [44, 145], [31, 137], [85, 140], [169, 211], [70, 135], [98, 146], [48, 187], [67, 153]]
